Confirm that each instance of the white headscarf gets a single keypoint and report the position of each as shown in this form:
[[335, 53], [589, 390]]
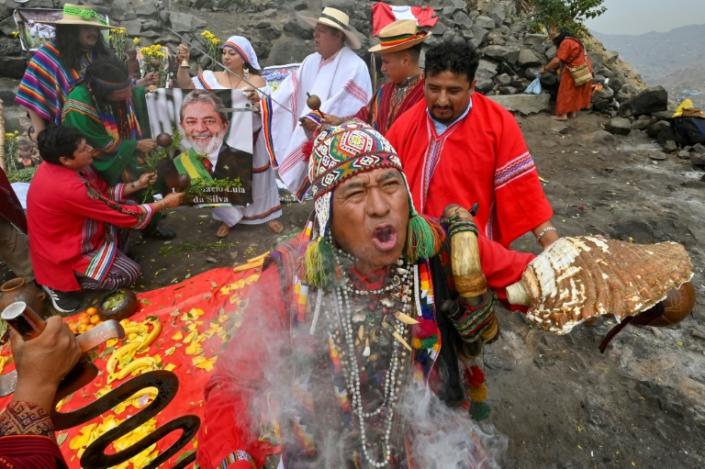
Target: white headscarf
[[243, 47]]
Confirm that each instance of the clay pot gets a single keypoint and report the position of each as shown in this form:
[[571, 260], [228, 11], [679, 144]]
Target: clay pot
[[124, 308], [19, 289]]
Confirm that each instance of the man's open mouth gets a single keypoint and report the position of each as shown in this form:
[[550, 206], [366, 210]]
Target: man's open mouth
[[384, 237]]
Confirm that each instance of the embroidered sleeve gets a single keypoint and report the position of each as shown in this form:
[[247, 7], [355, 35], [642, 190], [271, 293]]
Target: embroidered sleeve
[[24, 418]]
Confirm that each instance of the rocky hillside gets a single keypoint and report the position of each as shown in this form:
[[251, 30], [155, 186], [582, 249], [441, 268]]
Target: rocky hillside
[[673, 59]]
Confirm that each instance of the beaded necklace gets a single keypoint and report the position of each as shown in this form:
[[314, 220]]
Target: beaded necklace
[[342, 335]]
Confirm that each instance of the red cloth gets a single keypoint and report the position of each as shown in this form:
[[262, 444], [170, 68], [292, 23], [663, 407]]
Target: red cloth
[[383, 14], [227, 423], [216, 294], [380, 113], [10, 207], [482, 158], [572, 98], [30, 452], [72, 219]]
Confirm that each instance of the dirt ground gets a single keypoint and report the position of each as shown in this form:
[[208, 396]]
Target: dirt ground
[[561, 403]]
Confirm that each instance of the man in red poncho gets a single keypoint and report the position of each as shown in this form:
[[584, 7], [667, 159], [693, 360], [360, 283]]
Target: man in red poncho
[[354, 331], [458, 146]]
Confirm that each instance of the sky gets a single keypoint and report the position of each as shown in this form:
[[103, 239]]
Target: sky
[[643, 16]]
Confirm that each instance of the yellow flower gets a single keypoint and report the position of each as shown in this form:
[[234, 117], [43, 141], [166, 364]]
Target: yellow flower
[[136, 41], [15, 34], [211, 38]]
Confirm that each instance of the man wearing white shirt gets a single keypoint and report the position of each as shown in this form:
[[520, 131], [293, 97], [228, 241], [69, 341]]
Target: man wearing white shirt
[[335, 74]]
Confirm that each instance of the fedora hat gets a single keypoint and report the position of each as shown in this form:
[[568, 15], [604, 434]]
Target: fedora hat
[[79, 15], [399, 35], [336, 19]]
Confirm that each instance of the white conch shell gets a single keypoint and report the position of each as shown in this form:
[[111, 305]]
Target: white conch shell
[[578, 278]]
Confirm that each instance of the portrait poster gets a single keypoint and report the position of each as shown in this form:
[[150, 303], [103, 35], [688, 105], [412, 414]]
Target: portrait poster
[[207, 138]]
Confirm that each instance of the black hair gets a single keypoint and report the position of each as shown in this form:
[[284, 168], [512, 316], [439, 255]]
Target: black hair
[[56, 141], [106, 75], [459, 57], [70, 48], [561, 37]]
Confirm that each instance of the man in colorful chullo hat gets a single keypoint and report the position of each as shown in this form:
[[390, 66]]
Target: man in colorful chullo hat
[[349, 318]]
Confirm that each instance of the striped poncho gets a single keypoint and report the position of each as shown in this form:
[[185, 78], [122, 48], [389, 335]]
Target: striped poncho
[[46, 83]]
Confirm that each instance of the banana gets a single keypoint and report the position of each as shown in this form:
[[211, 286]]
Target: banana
[[139, 363], [156, 330]]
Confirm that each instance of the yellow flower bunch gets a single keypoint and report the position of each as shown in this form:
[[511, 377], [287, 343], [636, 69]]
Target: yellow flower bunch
[[136, 41], [210, 38], [154, 51], [118, 32], [12, 135]]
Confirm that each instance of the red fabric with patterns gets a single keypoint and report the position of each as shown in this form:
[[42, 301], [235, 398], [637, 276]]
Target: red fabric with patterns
[[482, 159], [212, 291]]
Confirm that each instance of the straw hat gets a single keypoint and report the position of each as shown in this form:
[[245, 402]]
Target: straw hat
[[399, 35], [336, 19], [81, 16]]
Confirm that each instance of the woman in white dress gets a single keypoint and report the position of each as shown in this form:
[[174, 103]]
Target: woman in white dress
[[242, 73]]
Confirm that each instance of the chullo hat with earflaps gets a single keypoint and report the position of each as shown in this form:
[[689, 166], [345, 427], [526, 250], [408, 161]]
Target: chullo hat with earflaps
[[339, 153]]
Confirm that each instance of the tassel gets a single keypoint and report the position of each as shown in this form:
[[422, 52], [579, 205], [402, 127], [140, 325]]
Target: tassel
[[424, 238], [318, 263]]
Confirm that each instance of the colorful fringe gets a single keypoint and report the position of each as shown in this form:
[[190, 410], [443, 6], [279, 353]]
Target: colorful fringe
[[424, 238]]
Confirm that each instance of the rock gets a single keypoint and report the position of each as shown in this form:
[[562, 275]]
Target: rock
[[658, 155], [478, 35], [485, 74], [297, 29], [506, 53], [524, 104], [461, 18], [485, 22], [698, 160], [504, 79], [528, 58], [684, 155], [601, 136], [657, 127], [619, 126], [642, 122], [648, 101], [181, 22], [534, 39], [670, 146], [12, 67]]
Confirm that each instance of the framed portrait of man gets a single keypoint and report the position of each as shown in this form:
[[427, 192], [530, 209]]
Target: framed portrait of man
[[213, 131]]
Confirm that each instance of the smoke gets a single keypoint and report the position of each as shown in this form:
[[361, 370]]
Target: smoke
[[294, 387], [446, 438]]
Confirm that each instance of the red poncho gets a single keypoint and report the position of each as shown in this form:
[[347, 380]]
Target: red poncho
[[72, 219], [482, 158]]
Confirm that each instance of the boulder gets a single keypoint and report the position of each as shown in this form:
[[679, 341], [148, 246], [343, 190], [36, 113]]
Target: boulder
[[524, 104], [486, 71], [658, 127], [485, 22], [648, 101], [528, 58], [506, 53], [670, 146], [619, 126], [697, 157]]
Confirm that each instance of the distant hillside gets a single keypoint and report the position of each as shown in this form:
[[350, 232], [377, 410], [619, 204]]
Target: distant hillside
[[674, 59]]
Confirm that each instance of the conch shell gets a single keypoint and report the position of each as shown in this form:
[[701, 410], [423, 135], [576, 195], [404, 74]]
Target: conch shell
[[579, 278]]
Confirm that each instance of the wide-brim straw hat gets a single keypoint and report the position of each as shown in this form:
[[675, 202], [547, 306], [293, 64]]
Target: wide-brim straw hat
[[78, 15], [399, 35], [336, 19]]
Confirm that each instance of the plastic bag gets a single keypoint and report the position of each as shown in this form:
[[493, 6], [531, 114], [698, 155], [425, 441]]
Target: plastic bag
[[534, 87]]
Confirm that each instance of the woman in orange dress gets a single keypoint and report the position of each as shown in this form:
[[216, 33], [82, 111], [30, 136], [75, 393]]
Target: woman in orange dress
[[571, 53]]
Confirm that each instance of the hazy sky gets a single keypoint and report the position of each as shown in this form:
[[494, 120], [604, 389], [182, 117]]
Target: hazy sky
[[643, 16]]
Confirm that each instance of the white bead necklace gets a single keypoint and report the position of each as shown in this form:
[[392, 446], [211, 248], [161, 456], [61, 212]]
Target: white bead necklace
[[351, 369]]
